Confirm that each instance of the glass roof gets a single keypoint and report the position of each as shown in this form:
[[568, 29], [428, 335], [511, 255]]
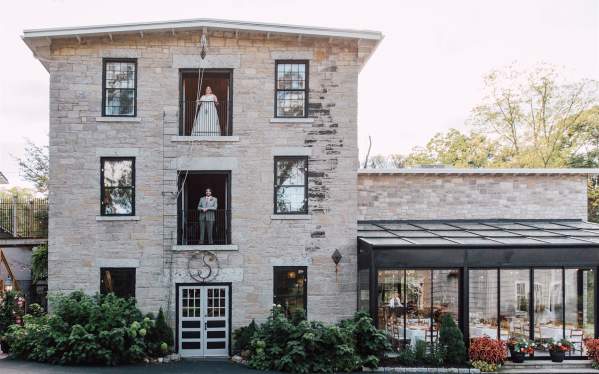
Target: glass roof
[[478, 232]]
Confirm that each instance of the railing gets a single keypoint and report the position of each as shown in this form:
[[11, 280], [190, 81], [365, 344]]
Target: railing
[[195, 225], [208, 119], [24, 218]]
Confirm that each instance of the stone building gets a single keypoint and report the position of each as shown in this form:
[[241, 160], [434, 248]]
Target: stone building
[[133, 150], [216, 204]]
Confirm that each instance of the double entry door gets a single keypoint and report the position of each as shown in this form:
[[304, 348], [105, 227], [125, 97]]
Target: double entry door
[[203, 320]]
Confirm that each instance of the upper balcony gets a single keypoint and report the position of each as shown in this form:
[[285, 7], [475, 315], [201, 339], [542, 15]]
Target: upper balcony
[[23, 220], [206, 103]]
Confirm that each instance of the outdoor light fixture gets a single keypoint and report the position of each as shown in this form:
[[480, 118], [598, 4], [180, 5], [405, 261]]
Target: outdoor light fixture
[[336, 259], [8, 284]]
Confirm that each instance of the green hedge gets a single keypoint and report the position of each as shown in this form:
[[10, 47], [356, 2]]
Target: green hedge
[[83, 329], [314, 347]]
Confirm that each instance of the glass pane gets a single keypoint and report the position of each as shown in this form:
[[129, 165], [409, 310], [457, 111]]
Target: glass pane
[[483, 303], [120, 102], [418, 306], [580, 307], [391, 304], [291, 76], [120, 74], [446, 295], [291, 172], [120, 281], [513, 303], [364, 290], [118, 173], [118, 200], [290, 289], [291, 200], [291, 104], [548, 306]]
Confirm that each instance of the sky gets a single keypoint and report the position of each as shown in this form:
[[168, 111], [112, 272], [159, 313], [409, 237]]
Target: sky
[[424, 78]]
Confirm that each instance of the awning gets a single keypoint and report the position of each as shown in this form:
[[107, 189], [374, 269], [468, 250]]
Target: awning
[[477, 243]]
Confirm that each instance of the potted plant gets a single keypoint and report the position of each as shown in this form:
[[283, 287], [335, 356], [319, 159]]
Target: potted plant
[[519, 348], [557, 350]]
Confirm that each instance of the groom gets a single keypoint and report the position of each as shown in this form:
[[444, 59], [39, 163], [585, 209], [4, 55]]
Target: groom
[[207, 207]]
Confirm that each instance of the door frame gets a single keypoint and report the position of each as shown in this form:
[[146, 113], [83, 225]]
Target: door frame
[[202, 284]]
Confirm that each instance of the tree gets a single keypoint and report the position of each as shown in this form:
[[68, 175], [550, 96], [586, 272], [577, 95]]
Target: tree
[[534, 115], [452, 341], [34, 166]]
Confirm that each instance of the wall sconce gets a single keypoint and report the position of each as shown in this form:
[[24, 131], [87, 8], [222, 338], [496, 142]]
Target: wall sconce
[[336, 259], [8, 284]]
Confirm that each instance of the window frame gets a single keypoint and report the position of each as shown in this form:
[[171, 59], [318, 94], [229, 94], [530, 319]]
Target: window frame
[[103, 188], [276, 186], [105, 61], [132, 287], [296, 269], [306, 88]]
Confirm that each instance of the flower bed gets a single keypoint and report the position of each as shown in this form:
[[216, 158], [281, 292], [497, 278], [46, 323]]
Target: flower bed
[[100, 329], [487, 354]]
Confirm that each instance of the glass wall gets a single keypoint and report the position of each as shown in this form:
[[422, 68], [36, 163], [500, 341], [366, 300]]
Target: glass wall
[[548, 306], [483, 303], [514, 294], [411, 302], [579, 307]]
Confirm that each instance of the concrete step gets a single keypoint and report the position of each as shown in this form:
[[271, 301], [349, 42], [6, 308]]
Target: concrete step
[[542, 366]]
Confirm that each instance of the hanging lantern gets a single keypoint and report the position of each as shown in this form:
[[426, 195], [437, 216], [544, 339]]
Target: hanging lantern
[[8, 284]]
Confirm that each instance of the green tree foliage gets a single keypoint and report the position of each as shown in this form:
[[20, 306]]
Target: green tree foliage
[[35, 165], [452, 341], [39, 263]]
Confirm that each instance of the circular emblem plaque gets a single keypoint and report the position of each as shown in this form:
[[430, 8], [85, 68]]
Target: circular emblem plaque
[[203, 266]]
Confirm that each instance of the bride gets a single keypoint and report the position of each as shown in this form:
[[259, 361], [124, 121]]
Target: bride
[[206, 121]]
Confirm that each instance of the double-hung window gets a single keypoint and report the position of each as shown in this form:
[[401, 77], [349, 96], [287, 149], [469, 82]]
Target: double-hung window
[[119, 281], [119, 87], [291, 88], [290, 288], [291, 185], [117, 176]]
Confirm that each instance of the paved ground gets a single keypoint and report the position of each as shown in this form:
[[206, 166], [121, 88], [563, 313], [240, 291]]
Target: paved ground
[[8, 366]]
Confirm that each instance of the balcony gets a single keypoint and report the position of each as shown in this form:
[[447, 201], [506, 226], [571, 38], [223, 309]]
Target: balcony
[[196, 228], [201, 115]]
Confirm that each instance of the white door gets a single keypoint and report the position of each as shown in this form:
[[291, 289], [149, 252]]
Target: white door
[[204, 321]]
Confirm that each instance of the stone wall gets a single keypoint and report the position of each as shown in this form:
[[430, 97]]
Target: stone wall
[[79, 243], [471, 196]]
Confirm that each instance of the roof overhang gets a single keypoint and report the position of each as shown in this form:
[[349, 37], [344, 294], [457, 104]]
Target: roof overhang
[[480, 171]]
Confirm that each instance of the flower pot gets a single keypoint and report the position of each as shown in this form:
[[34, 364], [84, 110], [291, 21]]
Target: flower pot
[[557, 356], [517, 357]]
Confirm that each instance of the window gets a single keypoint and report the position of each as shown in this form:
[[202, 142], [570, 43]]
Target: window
[[119, 87], [291, 185], [290, 288], [291, 89], [120, 281], [118, 186], [521, 297]]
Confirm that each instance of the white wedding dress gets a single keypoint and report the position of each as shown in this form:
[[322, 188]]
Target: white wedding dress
[[206, 122]]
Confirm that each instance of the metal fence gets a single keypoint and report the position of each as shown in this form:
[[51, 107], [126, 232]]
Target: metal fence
[[24, 218], [194, 227], [205, 118]]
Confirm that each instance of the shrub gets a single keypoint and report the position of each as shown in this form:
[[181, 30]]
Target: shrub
[[592, 346], [422, 354], [100, 329], [452, 341], [12, 306], [242, 337], [313, 347], [487, 350], [158, 335], [35, 310], [485, 367]]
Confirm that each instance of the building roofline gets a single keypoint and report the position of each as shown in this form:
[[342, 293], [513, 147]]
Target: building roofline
[[3, 179], [200, 23], [480, 171]]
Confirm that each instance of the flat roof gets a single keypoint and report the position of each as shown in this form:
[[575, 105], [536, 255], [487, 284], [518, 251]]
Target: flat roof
[[481, 171], [198, 24], [478, 233]]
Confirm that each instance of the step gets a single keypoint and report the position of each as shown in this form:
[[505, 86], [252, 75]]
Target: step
[[542, 366]]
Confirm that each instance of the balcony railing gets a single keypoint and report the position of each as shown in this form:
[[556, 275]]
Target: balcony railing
[[194, 228], [209, 119], [24, 218]]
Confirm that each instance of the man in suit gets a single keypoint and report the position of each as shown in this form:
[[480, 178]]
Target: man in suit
[[207, 207]]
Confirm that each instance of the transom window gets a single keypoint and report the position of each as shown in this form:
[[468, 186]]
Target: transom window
[[291, 86], [289, 288], [118, 186], [119, 96], [291, 185], [120, 281]]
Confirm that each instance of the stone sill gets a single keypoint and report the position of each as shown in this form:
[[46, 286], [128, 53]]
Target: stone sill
[[117, 218], [289, 217], [212, 248], [118, 119], [292, 120], [204, 138]]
